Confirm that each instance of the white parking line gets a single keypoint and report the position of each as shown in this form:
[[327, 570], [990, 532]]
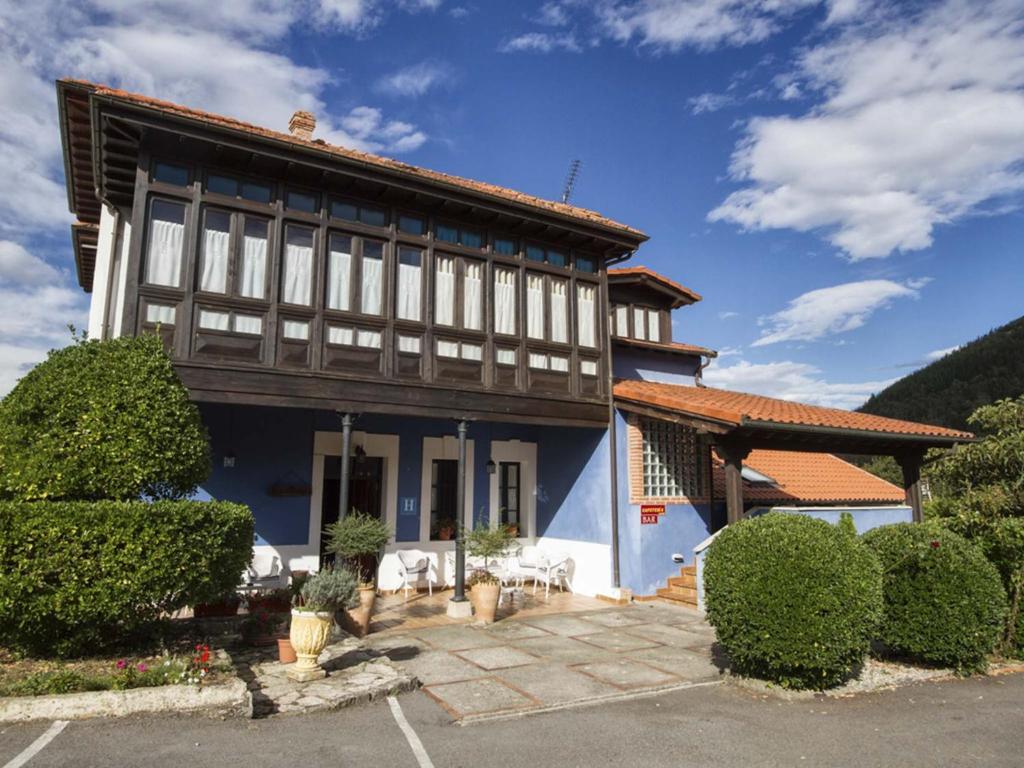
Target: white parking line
[[36, 746], [410, 735]]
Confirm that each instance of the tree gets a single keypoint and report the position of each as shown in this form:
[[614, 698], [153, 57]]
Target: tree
[[102, 420]]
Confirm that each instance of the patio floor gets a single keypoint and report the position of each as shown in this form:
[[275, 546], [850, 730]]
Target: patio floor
[[566, 652]]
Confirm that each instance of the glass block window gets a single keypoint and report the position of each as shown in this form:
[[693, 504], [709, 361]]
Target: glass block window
[[673, 460]]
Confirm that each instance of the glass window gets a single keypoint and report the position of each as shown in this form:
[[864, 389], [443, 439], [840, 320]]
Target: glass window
[[446, 234], [409, 345], [673, 460], [533, 253], [410, 281], [554, 258], [558, 291], [375, 217], [558, 363], [297, 269], [639, 323], [339, 273], [653, 325], [471, 238], [503, 356], [162, 314], [221, 185], [300, 201], [251, 324], [535, 306], [586, 264], [472, 352], [166, 243], [505, 301], [412, 225], [588, 367], [295, 330], [622, 320], [505, 247], [557, 259], [214, 321], [444, 490], [342, 335], [257, 193], [447, 348], [253, 277], [215, 251], [367, 338], [508, 495], [538, 360], [372, 289], [473, 295], [444, 290], [586, 314], [171, 174], [346, 211]]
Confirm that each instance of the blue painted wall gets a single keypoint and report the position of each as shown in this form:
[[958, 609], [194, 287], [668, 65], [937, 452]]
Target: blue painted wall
[[633, 363]]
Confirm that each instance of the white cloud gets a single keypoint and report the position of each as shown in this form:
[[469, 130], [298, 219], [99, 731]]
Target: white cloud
[[827, 311], [19, 267], [921, 120], [938, 354], [417, 79], [541, 42], [710, 102], [727, 315], [798, 382]]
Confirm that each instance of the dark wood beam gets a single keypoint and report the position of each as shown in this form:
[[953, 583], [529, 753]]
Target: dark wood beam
[[910, 463], [733, 453]]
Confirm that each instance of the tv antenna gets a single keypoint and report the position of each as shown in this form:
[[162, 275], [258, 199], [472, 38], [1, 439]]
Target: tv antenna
[[570, 180]]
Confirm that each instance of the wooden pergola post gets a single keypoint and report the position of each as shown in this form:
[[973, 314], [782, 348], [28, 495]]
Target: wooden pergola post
[[733, 455], [910, 463]]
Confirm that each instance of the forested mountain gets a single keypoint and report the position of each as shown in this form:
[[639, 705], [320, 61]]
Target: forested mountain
[[947, 391]]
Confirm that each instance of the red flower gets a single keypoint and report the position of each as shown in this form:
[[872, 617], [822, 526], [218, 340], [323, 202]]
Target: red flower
[[121, 663], [935, 544]]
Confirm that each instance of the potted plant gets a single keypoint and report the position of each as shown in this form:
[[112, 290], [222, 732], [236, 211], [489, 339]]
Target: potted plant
[[487, 544], [226, 605], [321, 596], [357, 540], [446, 529], [285, 651]]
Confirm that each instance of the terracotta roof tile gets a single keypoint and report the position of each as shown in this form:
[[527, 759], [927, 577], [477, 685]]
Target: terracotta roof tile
[[739, 408], [491, 190], [642, 271], [810, 478]]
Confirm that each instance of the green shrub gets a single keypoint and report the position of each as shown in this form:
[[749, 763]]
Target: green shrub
[[330, 589], [944, 602], [793, 599], [77, 576], [358, 539], [487, 543], [102, 420]]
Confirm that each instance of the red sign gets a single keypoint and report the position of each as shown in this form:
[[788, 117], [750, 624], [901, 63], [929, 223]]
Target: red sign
[[649, 513]]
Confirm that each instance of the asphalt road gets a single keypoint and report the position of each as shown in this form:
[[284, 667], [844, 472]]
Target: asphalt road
[[978, 722]]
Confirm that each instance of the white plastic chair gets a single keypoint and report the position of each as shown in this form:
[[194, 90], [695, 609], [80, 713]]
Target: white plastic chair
[[264, 572], [472, 564], [552, 567], [414, 564]]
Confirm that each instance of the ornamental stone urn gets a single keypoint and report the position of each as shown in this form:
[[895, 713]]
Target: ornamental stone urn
[[309, 634]]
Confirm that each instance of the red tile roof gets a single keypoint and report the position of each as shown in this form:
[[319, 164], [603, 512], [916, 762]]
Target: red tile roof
[[641, 271], [479, 187], [741, 409], [810, 478]]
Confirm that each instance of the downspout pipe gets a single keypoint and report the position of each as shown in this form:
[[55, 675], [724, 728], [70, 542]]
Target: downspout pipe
[[613, 452]]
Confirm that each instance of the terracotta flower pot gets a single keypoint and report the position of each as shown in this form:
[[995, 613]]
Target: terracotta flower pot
[[485, 601], [357, 620], [309, 635], [285, 651]]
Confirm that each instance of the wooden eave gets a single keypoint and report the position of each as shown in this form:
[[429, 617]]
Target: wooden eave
[[84, 238], [678, 298], [670, 348]]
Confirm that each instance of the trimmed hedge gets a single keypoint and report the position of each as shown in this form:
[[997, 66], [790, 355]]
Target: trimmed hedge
[[793, 599], [944, 601], [75, 576]]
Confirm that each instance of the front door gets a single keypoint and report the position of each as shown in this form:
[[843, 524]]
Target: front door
[[365, 491]]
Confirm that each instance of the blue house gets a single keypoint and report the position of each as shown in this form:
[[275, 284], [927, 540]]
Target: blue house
[[364, 334]]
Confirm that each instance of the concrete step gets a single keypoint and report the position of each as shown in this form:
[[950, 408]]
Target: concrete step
[[687, 580], [677, 595]]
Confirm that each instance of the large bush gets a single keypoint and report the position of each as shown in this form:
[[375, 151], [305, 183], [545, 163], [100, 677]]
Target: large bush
[[75, 576], [793, 599], [944, 601], [102, 420]]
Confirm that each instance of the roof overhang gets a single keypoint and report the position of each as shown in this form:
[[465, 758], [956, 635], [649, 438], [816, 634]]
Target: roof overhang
[[672, 348], [679, 295], [84, 238]]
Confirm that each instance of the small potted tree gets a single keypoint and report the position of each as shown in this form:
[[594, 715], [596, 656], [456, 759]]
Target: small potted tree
[[487, 544], [358, 540], [321, 596]]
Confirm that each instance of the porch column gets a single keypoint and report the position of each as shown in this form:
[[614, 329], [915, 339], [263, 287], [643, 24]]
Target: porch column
[[347, 420], [458, 606], [910, 463], [733, 455]]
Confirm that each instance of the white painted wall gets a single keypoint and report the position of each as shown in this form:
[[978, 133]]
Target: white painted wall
[[106, 242]]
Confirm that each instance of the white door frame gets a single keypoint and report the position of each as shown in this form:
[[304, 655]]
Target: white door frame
[[526, 454], [446, 447]]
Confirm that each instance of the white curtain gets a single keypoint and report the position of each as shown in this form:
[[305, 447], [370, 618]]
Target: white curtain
[[538, 360], [298, 273], [160, 313], [409, 344], [366, 338], [215, 261], [444, 291], [653, 326], [472, 352], [248, 324], [639, 323], [339, 277], [163, 260], [372, 275], [535, 306], [254, 266], [588, 367], [472, 308], [340, 335], [409, 291], [560, 364], [505, 301], [622, 320], [505, 356], [585, 315], [559, 311], [447, 348], [295, 329], [213, 321]]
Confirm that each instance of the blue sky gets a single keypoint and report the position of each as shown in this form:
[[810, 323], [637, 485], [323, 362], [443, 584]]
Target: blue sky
[[841, 179]]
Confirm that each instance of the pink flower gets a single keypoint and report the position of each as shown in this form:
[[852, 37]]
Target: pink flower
[[142, 667], [121, 663]]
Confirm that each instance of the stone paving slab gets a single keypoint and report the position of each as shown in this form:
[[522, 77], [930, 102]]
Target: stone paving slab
[[683, 662], [667, 634], [564, 625], [625, 673], [616, 618], [498, 657], [508, 631], [616, 641], [459, 637], [567, 650], [436, 667], [475, 697], [556, 684]]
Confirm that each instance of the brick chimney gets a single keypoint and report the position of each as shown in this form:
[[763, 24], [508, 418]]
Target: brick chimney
[[302, 125]]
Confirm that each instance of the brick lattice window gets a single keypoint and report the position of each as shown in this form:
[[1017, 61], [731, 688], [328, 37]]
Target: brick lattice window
[[672, 460]]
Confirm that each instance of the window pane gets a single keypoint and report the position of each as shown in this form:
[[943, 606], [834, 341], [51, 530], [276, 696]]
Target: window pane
[[447, 348], [559, 363], [639, 323], [213, 321], [533, 253], [557, 259], [299, 201], [375, 217], [297, 270], [586, 314], [505, 301], [345, 211], [447, 234], [412, 225], [443, 495], [472, 239], [339, 273], [366, 338], [258, 193], [253, 278], [341, 335], [505, 247], [373, 277], [472, 352], [248, 324], [586, 264], [622, 320], [295, 330], [559, 311], [588, 367], [505, 356], [444, 291], [171, 174], [673, 460], [535, 306], [166, 240], [222, 185], [472, 299], [409, 283], [409, 344], [538, 360], [215, 254], [653, 325], [160, 313]]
